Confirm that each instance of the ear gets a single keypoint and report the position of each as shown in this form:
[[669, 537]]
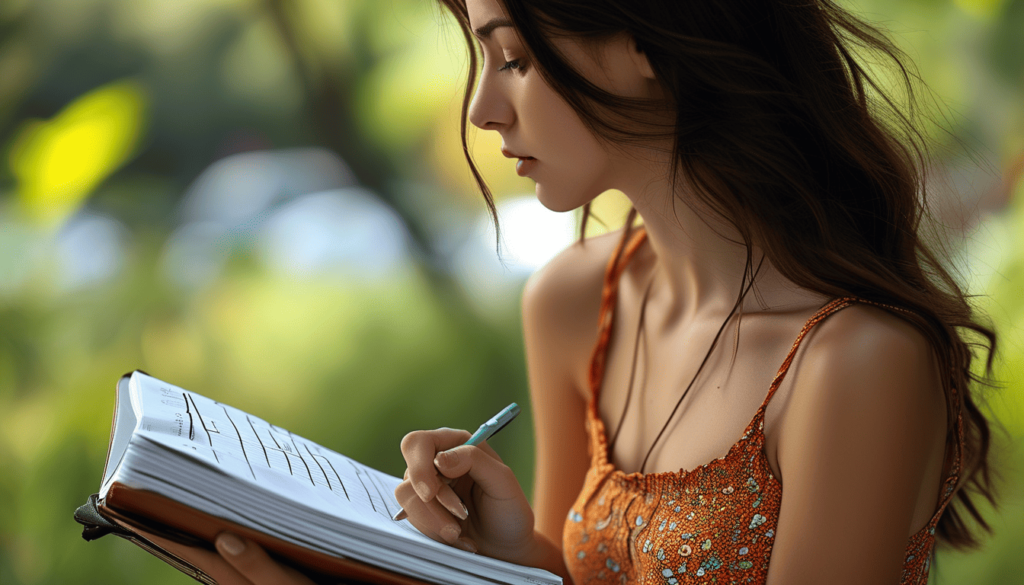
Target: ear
[[640, 59]]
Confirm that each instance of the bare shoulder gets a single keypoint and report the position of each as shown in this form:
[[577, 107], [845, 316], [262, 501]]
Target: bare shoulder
[[575, 274], [866, 338], [560, 306], [561, 300], [862, 442], [868, 356], [867, 368]]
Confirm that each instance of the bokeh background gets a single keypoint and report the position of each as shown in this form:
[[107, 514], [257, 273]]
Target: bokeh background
[[265, 201]]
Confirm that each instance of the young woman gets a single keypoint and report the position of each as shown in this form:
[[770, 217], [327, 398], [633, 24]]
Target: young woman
[[819, 430]]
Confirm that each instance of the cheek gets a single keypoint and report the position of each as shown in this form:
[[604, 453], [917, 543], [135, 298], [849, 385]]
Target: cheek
[[574, 164]]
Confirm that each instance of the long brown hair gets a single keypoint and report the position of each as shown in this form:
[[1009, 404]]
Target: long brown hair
[[780, 130]]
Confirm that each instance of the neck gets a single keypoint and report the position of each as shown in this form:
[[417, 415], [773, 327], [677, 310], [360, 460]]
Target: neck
[[699, 266]]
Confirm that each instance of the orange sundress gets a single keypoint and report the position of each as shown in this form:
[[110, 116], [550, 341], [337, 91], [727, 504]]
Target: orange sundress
[[715, 523]]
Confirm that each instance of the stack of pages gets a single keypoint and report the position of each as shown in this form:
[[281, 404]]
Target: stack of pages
[[171, 445]]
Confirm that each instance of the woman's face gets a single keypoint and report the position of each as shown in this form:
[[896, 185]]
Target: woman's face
[[571, 166]]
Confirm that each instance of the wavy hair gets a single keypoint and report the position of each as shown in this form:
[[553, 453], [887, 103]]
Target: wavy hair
[[781, 131]]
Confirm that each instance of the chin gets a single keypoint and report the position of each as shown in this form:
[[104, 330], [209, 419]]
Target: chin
[[560, 201]]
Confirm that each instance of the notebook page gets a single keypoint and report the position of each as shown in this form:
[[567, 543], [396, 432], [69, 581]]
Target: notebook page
[[253, 451]]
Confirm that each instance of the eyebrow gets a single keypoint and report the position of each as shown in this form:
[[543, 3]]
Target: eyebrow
[[484, 32]]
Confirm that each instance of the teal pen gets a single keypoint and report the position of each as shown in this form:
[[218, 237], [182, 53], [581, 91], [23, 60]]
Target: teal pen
[[497, 422], [486, 431]]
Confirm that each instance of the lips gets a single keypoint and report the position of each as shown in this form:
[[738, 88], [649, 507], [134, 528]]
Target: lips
[[525, 163], [510, 154]]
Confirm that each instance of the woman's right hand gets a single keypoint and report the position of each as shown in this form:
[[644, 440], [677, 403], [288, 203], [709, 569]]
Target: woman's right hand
[[464, 495]]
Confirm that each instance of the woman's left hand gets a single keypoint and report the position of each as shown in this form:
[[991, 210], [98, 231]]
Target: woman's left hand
[[240, 562]]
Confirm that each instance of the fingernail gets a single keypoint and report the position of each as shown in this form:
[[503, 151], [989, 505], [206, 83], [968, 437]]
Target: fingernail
[[448, 458], [230, 544], [422, 490], [401, 515], [466, 545], [459, 512], [450, 533]]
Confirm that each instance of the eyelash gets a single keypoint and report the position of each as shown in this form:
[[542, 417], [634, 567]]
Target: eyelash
[[509, 65]]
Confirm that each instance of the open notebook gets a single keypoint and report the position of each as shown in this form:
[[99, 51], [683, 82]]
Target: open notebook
[[187, 467]]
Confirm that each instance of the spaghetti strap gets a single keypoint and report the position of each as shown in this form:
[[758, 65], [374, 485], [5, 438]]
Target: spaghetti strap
[[831, 307], [949, 485], [609, 293]]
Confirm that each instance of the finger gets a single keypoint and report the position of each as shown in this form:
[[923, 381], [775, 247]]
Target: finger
[[445, 494], [403, 493], [208, 562], [430, 518], [403, 487], [494, 477], [451, 501], [251, 561], [406, 496], [451, 531], [465, 544], [419, 449], [444, 480], [487, 449]]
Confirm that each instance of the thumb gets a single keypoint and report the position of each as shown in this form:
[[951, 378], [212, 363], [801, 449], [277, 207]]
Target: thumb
[[494, 477], [254, 564]]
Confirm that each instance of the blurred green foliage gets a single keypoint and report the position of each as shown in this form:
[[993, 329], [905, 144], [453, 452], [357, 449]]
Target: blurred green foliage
[[115, 107]]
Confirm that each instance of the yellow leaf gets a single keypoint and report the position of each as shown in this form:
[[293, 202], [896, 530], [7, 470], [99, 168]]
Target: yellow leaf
[[59, 162]]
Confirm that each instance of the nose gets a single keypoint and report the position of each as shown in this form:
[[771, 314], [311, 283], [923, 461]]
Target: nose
[[490, 108]]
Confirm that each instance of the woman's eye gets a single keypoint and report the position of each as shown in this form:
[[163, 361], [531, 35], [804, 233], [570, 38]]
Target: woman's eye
[[510, 65]]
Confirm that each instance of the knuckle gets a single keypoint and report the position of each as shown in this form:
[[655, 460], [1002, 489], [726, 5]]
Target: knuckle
[[460, 434], [410, 439], [478, 456], [506, 472]]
